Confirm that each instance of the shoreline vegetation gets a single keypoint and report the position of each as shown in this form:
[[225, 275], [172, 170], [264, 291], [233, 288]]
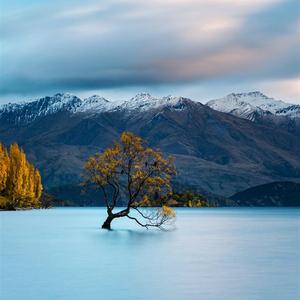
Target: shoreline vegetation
[[179, 199], [20, 182], [21, 189], [45, 202], [186, 199]]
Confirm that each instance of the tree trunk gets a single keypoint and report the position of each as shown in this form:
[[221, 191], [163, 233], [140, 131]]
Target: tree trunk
[[106, 224]]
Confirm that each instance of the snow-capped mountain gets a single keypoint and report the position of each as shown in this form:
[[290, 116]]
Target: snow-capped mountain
[[28, 112], [253, 105], [95, 104], [145, 101], [211, 148]]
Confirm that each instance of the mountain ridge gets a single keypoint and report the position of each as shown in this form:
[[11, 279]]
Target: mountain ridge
[[214, 151], [251, 106]]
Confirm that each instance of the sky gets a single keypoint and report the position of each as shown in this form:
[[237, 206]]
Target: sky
[[117, 48]]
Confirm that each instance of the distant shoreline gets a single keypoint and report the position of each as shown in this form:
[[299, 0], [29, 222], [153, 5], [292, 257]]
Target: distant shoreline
[[211, 207]]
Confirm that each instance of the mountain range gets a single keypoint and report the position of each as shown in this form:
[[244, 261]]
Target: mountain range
[[220, 148]]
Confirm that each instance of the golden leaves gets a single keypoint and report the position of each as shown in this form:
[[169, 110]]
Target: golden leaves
[[141, 173], [4, 167], [168, 211], [144, 171], [20, 182]]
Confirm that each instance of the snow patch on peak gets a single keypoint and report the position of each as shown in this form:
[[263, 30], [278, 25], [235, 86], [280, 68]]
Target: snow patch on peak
[[59, 102], [145, 101], [30, 111], [255, 94], [24, 113], [292, 111], [95, 104], [142, 96], [247, 105], [95, 99]]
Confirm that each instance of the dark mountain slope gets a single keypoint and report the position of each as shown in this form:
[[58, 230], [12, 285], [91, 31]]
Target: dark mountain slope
[[214, 151], [271, 194]]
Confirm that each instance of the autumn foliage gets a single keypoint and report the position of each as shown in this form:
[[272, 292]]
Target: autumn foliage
[[20, 181], [133, 175]]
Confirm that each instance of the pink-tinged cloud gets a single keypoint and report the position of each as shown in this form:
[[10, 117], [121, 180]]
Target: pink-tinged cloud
[[67, 45]]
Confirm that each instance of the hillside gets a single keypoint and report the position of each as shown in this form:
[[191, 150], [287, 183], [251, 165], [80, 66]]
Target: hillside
[[271, 194], [216, 152]]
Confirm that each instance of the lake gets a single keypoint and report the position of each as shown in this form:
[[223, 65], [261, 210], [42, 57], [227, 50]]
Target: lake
[[216, 253]]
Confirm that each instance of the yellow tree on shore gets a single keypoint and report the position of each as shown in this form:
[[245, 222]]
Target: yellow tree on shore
[[20, 181], [4, 167]]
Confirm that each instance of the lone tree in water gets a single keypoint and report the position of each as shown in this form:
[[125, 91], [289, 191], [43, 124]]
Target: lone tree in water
[[138, 173]]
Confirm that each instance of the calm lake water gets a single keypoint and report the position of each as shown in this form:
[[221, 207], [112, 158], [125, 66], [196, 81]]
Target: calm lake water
[[234, 254]]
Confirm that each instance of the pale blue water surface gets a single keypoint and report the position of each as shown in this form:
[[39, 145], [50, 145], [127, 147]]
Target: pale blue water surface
[[235, 254]]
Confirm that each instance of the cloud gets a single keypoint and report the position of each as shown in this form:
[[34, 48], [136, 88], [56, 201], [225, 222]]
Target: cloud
[[284, 87], [68, 45]]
